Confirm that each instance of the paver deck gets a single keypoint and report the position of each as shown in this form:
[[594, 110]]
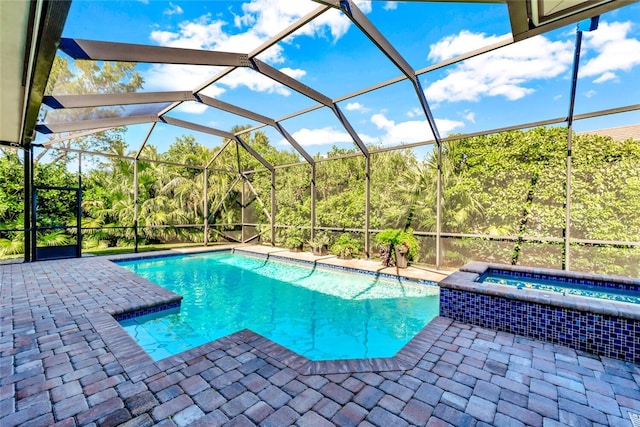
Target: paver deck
[[65, 361]]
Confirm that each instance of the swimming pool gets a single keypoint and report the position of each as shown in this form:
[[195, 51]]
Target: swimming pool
[[565, 288], [320, 313]]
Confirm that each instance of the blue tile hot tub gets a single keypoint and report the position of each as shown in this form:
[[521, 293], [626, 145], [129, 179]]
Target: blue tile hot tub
[[595, 313]]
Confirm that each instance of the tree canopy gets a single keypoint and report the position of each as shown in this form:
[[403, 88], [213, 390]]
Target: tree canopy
[[507, 188]]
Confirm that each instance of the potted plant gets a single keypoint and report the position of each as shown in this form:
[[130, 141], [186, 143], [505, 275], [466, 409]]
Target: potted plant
[[320, 244], [345, 246], [397, 247], [294, 239]]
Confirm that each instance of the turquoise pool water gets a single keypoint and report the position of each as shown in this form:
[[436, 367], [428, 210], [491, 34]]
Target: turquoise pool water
[[564, 288], [321, 313]]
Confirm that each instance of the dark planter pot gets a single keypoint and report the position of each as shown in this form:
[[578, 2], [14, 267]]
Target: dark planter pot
[[296, 249], [402, 261], [385, 256], [321, 251], [347, 257]]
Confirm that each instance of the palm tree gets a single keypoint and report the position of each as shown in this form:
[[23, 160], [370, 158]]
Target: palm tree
[[459, 202]]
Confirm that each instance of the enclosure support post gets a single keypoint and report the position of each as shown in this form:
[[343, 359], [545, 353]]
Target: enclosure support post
[[135, 204], [205, 207], [567, 225], [28, 204], [439, 206], [313, 201], [79, 207], [243, 201], [367, 206], [273, 207], [34, 209]]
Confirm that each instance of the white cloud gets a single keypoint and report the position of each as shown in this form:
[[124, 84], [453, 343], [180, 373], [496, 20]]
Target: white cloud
[[364, 5], [614, 51], [201, 33], [590, 93], [605, 77], [412, 130], [173, 9], [269, 17], [327, 135], [415, 112], [258, 82], [445, 126], [259, 21], [161, 77], [502, 72], [293, 73], [192, 107], [390, 5], [213, 91], [356, 106], [469, 116], [458, 44], [333, 20]]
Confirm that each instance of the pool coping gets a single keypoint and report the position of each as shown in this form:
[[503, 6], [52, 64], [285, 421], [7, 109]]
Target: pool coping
[[466, 280], [138, 364]]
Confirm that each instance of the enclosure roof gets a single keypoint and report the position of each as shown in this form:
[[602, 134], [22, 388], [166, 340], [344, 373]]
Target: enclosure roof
[[33, 33]]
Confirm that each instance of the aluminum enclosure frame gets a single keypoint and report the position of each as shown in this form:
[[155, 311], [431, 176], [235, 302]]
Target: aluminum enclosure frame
[[96, 50]]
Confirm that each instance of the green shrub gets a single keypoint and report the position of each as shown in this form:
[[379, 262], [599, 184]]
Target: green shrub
[[397, 236], [345, 246]]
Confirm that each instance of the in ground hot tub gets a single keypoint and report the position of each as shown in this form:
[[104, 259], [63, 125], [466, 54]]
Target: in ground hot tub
[[595, 313]]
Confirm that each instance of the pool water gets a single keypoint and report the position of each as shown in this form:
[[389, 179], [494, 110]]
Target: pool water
[[320, 313], [564, 288]]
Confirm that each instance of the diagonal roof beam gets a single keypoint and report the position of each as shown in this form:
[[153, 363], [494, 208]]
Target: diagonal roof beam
[[102, 100], [230, 108], [253, 116], [196, 127], [274, 40], [286, 136], [269, 43], [359, 19], [290, 82], [215, 156], [74, 135], [96, 124], [305, 90], [350, 130], [368, 29], [108, 99], [126, 52], [294, 143], [146, 139], [254, 153], [217, 132]]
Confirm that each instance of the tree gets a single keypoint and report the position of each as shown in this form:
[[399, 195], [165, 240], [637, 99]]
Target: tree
[[90, 77]]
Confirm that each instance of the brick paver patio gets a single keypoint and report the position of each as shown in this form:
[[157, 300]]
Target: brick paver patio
[[65, 361]]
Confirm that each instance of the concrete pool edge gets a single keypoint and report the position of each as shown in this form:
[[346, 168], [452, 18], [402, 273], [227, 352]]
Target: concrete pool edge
[[606, 328], [319, 263], [138, 364]]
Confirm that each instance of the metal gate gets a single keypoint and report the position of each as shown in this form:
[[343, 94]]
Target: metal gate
[[61, 237]]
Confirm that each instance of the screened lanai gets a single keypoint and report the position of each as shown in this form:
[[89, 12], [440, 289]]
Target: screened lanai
[[490, 128]]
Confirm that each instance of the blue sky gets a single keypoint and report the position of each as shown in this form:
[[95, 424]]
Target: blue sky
[[524, 82]]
